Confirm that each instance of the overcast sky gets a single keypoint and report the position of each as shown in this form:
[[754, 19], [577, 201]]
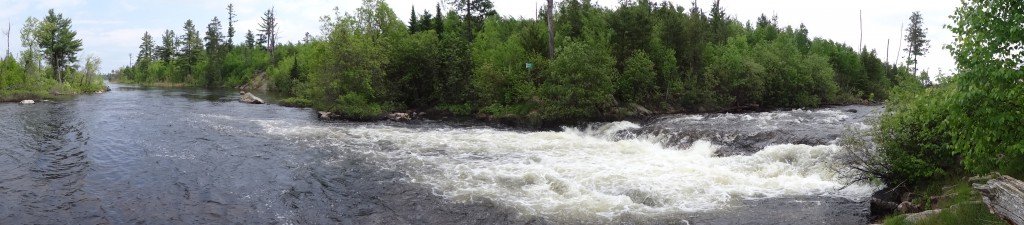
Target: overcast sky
[[111, 29]]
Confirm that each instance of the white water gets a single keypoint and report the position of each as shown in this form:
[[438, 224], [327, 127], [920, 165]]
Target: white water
[[579, 173]]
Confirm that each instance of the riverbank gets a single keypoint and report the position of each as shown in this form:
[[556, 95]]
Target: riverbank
[[43, 94], [19, 95], [948, 200]]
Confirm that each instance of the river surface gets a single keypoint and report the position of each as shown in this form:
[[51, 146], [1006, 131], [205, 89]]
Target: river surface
[[194, 156]]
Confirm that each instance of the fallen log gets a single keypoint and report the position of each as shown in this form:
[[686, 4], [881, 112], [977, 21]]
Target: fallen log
[[1004, 197]]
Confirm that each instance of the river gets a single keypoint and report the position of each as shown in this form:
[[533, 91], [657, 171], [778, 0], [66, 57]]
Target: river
[[194, 156]]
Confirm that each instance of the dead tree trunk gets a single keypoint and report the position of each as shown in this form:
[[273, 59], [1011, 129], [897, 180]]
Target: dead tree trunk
[[551, 29], [1004, 197]]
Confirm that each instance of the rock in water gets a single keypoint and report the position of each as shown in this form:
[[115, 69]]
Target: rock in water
[[326, 115], [399, 117], [26, 102], [249, 98]]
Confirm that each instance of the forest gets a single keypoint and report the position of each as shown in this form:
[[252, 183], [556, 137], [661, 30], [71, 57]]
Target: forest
[[470, 61]]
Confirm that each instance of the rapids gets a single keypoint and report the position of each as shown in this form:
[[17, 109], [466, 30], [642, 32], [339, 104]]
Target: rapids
[[194, 156]]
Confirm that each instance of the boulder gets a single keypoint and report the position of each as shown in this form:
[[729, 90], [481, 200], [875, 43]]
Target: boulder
[[399, 117], [638, 109], [249, 98], [914, 218], [907, 207], [326, 115], [26, 102]]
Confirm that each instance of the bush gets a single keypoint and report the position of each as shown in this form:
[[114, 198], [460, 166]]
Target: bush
[[912, 136], [356, 106], [637, 81], [579, 85]]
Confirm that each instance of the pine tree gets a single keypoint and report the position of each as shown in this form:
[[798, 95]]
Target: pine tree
[[917, 45], [413, 22], [170, 45], [439, 21], [191, 48], [146, 50], [231, 26], [250, 40], [58, 43]]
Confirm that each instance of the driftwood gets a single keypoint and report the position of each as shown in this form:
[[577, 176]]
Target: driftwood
[[1004, 196]]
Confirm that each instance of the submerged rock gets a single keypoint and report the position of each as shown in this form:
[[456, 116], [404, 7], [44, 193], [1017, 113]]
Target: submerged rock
[[250, 98], [26, 102]]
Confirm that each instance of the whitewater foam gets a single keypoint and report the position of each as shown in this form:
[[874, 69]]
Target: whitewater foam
[[581, 172]]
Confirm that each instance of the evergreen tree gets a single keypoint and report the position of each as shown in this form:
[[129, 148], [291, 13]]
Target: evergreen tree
[[146, 51], [58, 43], [231, 26], [426, 21], [170, 45], [191, 49], [439, 20], [917, 44], [413, 22], [214, 52], [250, 40], [473, 13]]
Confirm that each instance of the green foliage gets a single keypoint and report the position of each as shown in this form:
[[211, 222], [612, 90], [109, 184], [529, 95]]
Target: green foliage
[[741, 76], [579, 84], [912, 138], [637, 79], [415, 70], [470, 62], [793, 79], [53, 40], [59, 44], [988, 97], [356, 106], [500, 77]]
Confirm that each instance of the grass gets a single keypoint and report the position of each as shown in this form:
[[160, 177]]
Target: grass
[[18, 95], [965, 208]]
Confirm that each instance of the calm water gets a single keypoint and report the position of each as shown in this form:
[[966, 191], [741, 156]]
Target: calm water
[[193, 156]]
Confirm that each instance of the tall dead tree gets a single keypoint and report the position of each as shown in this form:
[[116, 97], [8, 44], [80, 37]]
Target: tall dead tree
[[551, 29], [8, 34], [269, 30]]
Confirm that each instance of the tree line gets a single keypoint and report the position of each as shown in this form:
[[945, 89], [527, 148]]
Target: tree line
[[49, 64], [470, 61]]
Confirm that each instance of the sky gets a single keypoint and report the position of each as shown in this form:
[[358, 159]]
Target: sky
[[113, 29]]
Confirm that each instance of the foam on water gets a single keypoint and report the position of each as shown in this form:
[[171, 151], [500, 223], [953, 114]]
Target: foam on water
[[579, 173]]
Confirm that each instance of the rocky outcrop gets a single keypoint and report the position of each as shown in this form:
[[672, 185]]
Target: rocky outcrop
[[258, 82], [247, 97], [1004, 196], [26, 102]]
